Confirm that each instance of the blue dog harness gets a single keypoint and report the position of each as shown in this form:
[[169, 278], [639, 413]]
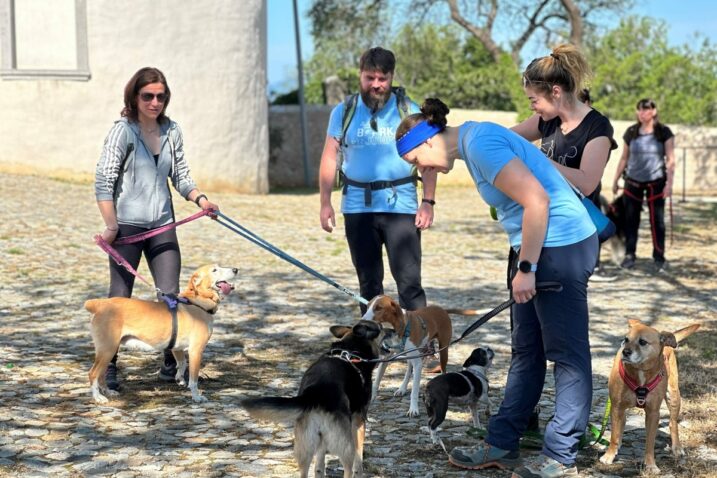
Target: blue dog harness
[[172, 301]]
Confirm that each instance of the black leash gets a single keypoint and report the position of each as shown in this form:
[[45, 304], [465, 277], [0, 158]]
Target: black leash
[[540, 287]]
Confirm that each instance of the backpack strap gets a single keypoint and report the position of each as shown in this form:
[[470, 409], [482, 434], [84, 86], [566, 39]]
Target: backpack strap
[[401, 101], [349, 111]]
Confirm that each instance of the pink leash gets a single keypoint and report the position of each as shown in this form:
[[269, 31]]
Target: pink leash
[[112, 252]]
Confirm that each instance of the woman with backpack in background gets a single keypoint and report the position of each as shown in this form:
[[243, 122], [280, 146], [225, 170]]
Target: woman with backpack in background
[[143, 149], [648, 163]]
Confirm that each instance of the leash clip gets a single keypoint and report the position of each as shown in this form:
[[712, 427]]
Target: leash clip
[[641, 395]]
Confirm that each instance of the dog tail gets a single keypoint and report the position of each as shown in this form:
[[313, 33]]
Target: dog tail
[[274, 409], [686, 332], [465, 311]]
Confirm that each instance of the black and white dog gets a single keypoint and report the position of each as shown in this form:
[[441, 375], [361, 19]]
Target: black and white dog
[[331, 408], [469, 386]]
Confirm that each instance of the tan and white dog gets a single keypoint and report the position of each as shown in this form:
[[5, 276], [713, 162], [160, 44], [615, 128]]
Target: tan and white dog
[[148, 325], [413, 330], [644, 373]]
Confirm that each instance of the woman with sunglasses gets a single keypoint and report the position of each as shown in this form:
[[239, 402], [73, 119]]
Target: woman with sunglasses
[[648, 164], [555, 240], [142, 152]]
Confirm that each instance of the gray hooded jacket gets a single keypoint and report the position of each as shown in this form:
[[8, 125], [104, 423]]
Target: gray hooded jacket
[[139, 190]]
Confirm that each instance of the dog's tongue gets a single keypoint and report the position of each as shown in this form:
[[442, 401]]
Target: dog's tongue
[[225, 287]]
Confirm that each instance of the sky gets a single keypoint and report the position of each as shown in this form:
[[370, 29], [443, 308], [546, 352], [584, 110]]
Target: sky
[[683, 19]]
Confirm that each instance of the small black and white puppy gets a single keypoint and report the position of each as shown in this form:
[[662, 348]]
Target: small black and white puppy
[[469, 386]]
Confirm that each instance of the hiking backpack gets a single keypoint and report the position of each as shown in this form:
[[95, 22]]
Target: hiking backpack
[[350, 103]]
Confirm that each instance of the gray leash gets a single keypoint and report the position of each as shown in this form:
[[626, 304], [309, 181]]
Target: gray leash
[[250, 236]]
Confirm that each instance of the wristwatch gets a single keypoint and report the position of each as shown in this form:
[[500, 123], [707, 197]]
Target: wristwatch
[[526, 266]]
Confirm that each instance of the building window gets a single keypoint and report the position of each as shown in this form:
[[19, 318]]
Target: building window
[[44, 39]]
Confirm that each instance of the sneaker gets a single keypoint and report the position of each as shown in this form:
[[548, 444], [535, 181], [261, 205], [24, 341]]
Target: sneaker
[[544, 467], [111, 377], [660, 265], [628, 262], [168, 372], [599, 275], [482, 456]]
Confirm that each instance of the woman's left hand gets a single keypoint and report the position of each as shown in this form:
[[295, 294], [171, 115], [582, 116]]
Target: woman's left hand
[[524, 287]]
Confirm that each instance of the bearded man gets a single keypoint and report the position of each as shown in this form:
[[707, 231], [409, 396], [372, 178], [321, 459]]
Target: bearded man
[[379, 202]]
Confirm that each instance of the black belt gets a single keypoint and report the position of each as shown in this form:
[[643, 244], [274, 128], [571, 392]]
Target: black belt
[[377, 185]]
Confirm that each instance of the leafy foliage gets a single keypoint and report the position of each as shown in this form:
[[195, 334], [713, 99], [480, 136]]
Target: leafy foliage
[[634, 61]]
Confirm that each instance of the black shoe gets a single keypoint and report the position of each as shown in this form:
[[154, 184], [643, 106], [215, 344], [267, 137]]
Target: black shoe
[[111, 377], [628, 262], [169, 367], [168, 372], [660, 265]]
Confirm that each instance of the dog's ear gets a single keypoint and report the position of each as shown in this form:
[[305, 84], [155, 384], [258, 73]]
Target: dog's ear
[[668, 339], [367, 329], [339, 331], [633, 322]]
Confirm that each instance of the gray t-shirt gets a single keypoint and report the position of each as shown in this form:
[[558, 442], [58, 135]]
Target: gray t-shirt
[[647, 159]]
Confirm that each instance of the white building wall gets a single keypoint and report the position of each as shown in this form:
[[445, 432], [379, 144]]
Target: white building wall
[[213, 53]]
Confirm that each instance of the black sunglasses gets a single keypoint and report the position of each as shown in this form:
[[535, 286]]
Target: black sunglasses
[[161, 97]]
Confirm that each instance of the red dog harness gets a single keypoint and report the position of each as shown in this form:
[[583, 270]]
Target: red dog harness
[[640, 391]]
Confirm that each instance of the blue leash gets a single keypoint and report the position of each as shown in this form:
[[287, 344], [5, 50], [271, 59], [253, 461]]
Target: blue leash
[[250, 236]]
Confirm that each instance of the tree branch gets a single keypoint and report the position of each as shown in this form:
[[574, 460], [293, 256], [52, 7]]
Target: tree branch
[[484, 35], [576, 22]]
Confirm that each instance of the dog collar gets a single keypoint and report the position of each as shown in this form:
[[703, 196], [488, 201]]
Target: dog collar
[[350, 358], [640, 391]]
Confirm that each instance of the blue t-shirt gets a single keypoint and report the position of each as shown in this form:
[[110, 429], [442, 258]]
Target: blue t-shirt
[[371, 156], [487, 148]]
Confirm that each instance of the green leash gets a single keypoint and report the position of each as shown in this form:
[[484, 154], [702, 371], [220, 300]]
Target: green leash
[[534, 440]]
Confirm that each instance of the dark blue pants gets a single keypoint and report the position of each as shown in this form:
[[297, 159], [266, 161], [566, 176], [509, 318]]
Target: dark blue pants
[[553, 326], [366, 234]]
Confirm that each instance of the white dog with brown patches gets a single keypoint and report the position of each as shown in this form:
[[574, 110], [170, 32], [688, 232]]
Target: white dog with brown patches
[[120, 320], [414, 329]]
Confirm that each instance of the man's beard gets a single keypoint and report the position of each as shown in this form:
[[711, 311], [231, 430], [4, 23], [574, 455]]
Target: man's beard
[[375, 102]]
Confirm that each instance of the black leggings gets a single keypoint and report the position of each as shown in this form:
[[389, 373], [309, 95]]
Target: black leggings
[[162, 255], [366, 234], [634, 192]]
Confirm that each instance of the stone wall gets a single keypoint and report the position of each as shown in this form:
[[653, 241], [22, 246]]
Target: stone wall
[[213, 53], [696, 171]]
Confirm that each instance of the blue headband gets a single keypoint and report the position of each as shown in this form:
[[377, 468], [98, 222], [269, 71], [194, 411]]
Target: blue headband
[[415, 136]]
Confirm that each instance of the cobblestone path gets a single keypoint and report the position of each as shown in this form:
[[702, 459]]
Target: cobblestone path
[[269, 331]]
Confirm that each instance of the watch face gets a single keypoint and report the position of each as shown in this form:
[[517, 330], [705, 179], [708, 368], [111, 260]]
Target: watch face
[[525, 266]]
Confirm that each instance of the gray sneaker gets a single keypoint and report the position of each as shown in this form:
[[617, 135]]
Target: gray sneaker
[[482, 456], [544, 467]]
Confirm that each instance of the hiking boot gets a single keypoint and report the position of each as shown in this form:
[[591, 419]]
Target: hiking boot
[[111, 377], [544, 467], [482, 456], [628, 262]]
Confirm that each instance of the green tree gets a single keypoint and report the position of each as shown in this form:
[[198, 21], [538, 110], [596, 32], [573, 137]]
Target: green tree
[[634, 61]]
